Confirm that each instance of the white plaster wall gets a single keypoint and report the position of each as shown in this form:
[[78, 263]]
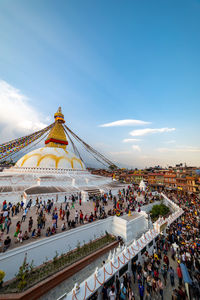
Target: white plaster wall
[[136, 227], [119, 227], [46, 248], [13, 197], [129, 230]]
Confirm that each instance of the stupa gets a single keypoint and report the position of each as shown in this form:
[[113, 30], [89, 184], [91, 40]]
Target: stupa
[[54, 155], [52, 172]]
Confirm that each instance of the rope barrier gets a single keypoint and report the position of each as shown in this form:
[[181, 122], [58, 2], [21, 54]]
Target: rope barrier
[[133, 250], [110, 274], [115, 266], [91, 150], [91, 290], [10, 148], [126, 257], [121, 261]]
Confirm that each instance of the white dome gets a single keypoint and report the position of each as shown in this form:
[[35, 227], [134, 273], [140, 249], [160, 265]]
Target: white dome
[[50, 157]]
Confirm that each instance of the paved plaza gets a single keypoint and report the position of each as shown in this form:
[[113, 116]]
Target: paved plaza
[[86, 208]]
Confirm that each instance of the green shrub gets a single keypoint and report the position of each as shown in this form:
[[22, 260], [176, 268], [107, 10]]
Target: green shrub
[[159, 210]]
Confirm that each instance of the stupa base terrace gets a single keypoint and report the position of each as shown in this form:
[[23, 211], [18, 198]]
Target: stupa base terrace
[[18, 184]]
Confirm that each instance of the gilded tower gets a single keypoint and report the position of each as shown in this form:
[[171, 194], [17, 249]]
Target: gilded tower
[[57, 137]]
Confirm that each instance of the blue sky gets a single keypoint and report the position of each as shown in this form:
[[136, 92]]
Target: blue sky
[[105, 61]]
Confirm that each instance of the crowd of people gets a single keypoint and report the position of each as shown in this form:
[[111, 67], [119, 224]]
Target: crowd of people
[[50, 213], [160, 274], [149, 279]]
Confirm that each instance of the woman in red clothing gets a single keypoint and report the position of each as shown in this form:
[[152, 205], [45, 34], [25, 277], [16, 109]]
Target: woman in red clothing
[[63, 214], [81, 217], [60, 212], [179, 273], [166, 261]]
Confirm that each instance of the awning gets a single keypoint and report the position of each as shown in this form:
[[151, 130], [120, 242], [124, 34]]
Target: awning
[[50, 190], [185, 273], [12, 188]]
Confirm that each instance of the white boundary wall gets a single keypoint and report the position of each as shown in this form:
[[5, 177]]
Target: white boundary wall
[[46, 248]]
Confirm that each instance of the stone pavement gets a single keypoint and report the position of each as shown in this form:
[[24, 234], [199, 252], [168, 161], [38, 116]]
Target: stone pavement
[[86, 208], [167, 292]]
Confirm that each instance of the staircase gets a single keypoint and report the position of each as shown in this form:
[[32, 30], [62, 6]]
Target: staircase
[[92, 192]]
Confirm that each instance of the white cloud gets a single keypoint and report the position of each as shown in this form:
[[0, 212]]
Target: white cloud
[[120, 153], [170, 142], [179, 149], [131, 140], [146, 131], [136, 148], [128, 122], [17, 116]]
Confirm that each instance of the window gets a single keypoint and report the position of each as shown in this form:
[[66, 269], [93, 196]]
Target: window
[[111, 281], [150, 244], [94, 296], [123, 270], [135, 258], [143, 250]]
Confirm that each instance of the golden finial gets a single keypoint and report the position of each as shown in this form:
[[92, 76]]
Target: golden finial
[[59, 115]]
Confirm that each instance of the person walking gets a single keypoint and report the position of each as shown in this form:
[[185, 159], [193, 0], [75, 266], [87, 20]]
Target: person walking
[[148, 295], [160, 287], [104, 292], [123, 294], [112, 295], [130, 294], [179, 273], [141, 290], [134, 269], [43, 220], [171, 274], [56, 218], [117, 286], [76, 217], [30, 224], [24, 215], [81, 217], [19, 236], [8, 225], [164, 273], [166, 261], [67, 215]]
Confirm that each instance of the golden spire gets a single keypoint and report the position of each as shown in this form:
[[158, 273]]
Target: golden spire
[[57, 136], [59, 116]]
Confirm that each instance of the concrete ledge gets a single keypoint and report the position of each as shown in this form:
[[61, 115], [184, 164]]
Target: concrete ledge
[[43, 287]]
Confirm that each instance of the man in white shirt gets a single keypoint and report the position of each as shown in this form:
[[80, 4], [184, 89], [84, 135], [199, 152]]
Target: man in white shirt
[[5, 213], [112, 295], [76, 217]]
